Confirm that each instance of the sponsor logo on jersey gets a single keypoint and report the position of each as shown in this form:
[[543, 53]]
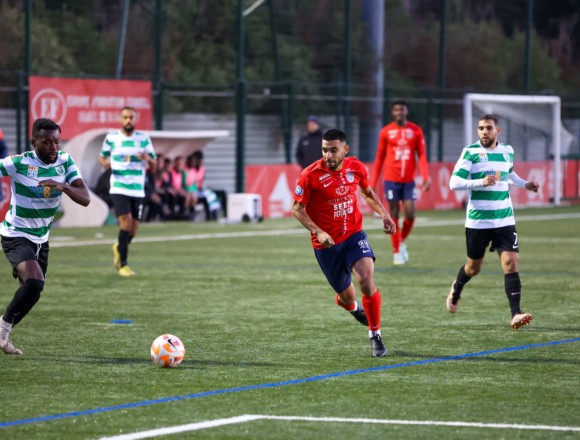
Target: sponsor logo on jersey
[[59, 170], [350, 177], [483, 157], [393, 133], [32, 171], [342, 190], [299, 191], [324, 177]]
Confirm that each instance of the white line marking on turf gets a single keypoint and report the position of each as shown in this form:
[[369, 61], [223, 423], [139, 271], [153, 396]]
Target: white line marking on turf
[[294, 231], [184, 428], [248, 418]]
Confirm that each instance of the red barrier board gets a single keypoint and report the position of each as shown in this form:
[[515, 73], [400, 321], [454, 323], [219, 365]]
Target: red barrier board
[[78, 105], [276, 183]]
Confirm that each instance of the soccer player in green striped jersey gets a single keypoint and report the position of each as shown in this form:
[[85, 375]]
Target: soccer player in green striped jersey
[[38, 180], [486, 170], [127, 153]]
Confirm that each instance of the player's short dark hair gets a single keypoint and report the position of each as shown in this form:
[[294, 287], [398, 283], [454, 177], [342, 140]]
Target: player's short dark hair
[[399, 102], [128, 107], [334, 134], [44, 124], [490, 117], [197, 154]]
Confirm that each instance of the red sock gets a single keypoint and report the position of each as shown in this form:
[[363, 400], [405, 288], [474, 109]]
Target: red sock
[[372, 306], [350, 308], [407, 227], [396, 238]]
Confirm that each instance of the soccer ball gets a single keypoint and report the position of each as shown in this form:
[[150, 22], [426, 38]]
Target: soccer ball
[[167, 351]]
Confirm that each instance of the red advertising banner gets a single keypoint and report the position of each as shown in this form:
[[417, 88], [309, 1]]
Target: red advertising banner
[[78, 105], [276, 183]]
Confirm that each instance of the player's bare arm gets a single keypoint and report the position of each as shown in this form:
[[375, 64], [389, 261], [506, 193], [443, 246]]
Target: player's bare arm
[[105, 162], [299, 212], [77, 191], [426, 184], [374, 202]]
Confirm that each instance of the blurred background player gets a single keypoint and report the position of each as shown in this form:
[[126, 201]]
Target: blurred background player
[[486, 170], [127, 153], [308, 149], [401, 143], [38, 178], [325, 202]]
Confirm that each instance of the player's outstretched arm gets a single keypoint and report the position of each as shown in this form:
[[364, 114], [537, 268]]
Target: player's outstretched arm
[[299, 212], [376, 205], [77, 190]]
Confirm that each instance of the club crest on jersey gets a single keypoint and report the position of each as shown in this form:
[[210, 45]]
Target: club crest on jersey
[[59, 170], [342, 190], [409, 134], [32, 171], [350, 177], [299, 191], [483, 157], [506, 157]]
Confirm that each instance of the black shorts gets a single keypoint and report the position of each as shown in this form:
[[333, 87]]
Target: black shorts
[[19, 249], [128, 205], [502, 239]]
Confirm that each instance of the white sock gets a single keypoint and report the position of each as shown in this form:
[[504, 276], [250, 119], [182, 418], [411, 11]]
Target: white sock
[[374, 333], [355, 307]]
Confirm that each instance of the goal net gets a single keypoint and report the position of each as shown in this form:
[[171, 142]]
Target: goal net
[[533, 126]]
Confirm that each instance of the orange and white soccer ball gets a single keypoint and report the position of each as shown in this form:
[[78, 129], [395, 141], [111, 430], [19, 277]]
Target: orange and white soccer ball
[[167, 351]]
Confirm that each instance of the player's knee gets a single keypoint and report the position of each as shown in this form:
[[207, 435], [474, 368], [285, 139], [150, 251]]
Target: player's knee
[[34, 287], [472, 269], [510, 265], [367, 285]]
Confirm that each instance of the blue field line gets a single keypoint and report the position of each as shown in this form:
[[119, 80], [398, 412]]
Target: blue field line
[[280, 384]]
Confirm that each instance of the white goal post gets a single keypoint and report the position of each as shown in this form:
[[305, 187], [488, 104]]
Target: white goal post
[[499, 106]]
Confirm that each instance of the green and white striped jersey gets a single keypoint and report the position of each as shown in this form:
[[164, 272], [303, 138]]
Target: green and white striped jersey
[[127, 168], [32, 207], [490, 206]]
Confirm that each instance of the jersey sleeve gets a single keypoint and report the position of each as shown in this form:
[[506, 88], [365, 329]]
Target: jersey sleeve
[[364, 182], [107, 147], [302, 191], [72, 172], [7, 167], [149, 148], [379, 159], [421, 148], [459, 179]]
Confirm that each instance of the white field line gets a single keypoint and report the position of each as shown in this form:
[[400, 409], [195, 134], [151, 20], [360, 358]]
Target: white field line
[[248, 418], [293, 231], [183, 428]]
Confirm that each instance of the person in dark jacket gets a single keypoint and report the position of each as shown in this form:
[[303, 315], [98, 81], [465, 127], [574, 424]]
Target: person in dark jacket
[[309, 147]]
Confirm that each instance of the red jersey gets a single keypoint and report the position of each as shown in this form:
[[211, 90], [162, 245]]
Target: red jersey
[[330, 197], [397, 154]]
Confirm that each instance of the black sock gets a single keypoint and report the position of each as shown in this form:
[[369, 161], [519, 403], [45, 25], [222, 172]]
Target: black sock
[[131, 237], [513, 290], [24, 299], [123, 241], [460, 282]]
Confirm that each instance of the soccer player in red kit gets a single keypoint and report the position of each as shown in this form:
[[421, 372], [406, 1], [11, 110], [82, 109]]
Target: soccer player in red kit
[[400, 144], [325, 202]]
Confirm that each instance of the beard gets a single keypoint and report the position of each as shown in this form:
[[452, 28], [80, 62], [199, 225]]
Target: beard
[[129, 128], [487, 143]]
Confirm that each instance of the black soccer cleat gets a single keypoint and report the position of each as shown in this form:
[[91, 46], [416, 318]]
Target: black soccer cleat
[[360, 315], [378, 348]]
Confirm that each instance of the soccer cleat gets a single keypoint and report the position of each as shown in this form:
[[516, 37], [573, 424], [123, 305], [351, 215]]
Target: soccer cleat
[[398, 259], [116, 256], [404, 252], [450, 306], [360, 315], [5, 344], [378, 348], [520, 320], [126, 271]]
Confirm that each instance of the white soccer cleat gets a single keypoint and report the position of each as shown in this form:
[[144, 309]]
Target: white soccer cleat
[[403, 250], [5, 343], [452, 308], [520, 320], [398, 259]]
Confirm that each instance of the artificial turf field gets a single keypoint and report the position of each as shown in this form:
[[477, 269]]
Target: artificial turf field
[[264, 337]]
